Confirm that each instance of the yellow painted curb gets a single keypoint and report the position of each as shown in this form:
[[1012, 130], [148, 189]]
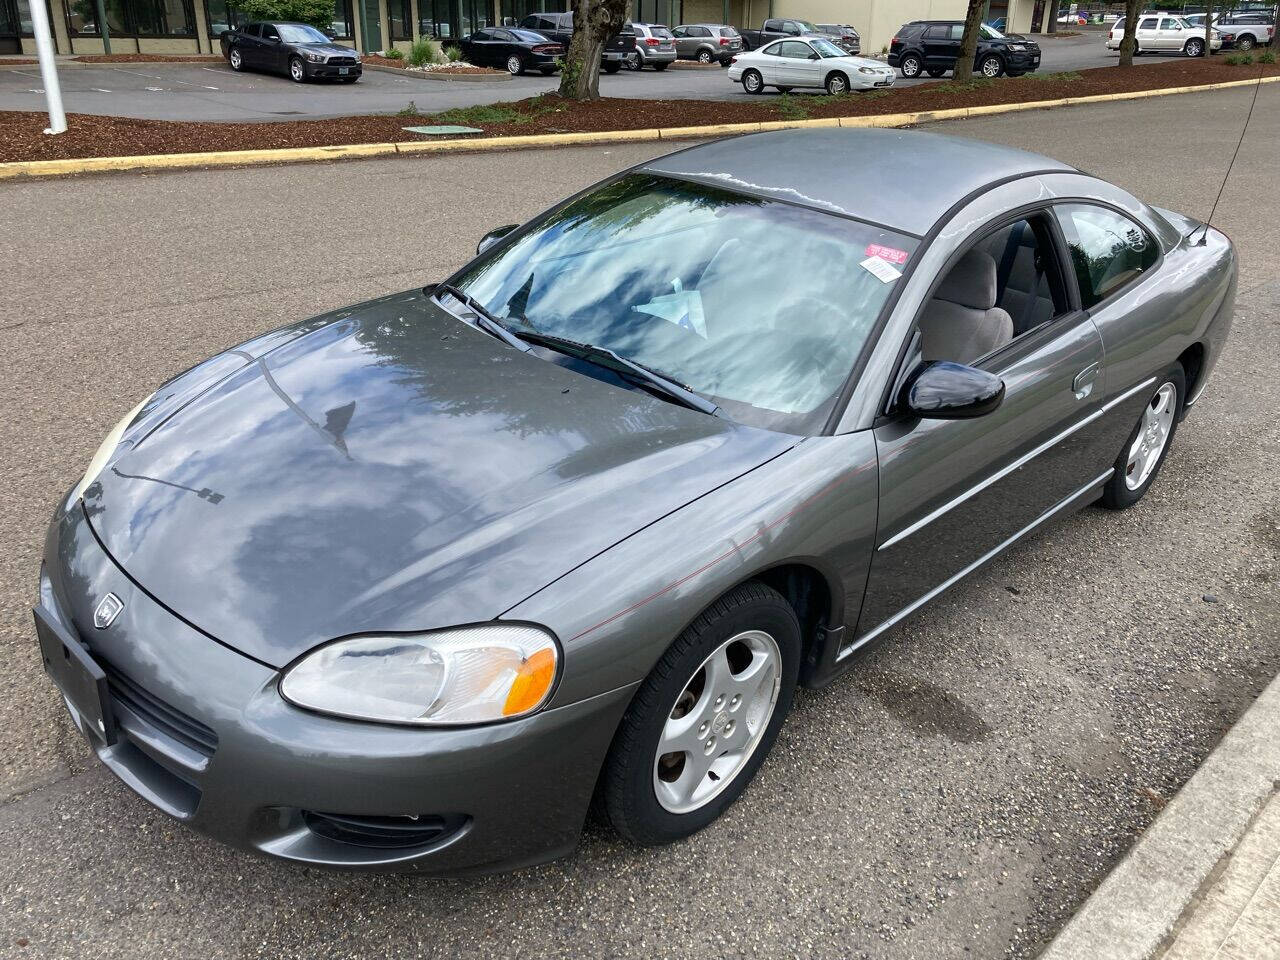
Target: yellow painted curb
[[238, 158]]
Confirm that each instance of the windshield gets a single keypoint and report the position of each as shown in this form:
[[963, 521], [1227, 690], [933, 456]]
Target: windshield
[[826, 48], [807, 27], [297, 33], [762, 306], [991, 32]]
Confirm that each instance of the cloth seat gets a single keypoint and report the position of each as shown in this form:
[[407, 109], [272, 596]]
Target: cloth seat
[[962, 322]]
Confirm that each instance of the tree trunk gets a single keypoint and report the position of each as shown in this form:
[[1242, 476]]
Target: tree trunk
[[1208, 30], [594, 22], [1132, 8], [969, 44], [1052, 26]]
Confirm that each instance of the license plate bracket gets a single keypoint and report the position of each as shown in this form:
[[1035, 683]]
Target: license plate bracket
[[76, 676], [343, 71]]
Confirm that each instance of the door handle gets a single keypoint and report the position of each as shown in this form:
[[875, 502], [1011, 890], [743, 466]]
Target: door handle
[[1082, 385]]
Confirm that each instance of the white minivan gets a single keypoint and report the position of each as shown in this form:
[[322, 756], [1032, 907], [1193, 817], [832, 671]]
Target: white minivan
[[1162, 33]]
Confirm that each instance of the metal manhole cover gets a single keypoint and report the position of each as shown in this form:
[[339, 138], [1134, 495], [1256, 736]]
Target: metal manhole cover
[[445, 130]]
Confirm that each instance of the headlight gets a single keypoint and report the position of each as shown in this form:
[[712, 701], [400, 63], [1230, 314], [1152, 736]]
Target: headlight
[[107, 448], [1019, 47], [868, 70], [464, 675], [314, 57]]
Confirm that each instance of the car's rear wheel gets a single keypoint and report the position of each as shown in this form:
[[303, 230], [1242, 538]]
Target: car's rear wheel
[[1144, 452], [1244, 44], [837, 84], [935, 72], [297, 71], [704, 56], [515, 66], [1194, 47], [704, 719], [991, 66], [613, 66], [752, 81], [632, 61], [236, 59], [911, 65]]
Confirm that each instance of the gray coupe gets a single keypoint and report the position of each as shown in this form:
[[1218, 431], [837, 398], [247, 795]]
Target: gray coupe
[[406, 585]]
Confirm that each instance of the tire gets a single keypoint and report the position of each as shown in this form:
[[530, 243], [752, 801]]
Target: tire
[[515, 66], [1138, 464], [751, 633], [725, 64], [1245, 44], [704, 56], [911, 65], [935, 72], [612, 67], [837, 84], [297, 70], [1194, 47], [752, 81], [633, 62], [236, 59], [991, 66], [659, 67]]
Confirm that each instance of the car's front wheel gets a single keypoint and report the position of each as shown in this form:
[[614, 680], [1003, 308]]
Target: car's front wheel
[[1194, 47], [911, 65], [1145, 450], [704, 719], [837, 84], [633, 62], [515, 66], [752, 81], [297, 71], [990, 66], [236, 59]]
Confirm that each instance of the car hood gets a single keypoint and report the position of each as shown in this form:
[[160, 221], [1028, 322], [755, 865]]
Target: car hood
[[865, 62], [328, 49], [390, 468]]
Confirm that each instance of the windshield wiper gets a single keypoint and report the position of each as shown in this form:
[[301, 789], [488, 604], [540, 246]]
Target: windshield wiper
[[485, 320], [604, 357]]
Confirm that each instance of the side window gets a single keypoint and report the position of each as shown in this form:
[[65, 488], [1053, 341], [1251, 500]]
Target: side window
[[252, 30], [1168, 23], [269, 32], [773, 50], [703, 32], [957, 31], [773, 26], [796, 50], [1148, 24], [937, 33], [1108, 250], [680, 32]]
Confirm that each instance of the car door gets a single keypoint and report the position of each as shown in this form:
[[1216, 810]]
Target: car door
[[481, 48], [1171, 34], [795, 68], [940, 45], [683, 47], [274, 55], [770, 62], [1147, 33], [954, 492]]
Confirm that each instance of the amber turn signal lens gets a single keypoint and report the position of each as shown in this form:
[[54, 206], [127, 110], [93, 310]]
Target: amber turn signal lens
[[532, 683]]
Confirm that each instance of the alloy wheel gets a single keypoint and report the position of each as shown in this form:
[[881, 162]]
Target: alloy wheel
[[991, 67], [513, 65], [633, 61], [1195, 48], [704, 56], [717, 721], [911, 67], [296, 70], [837, 84], [752, 82], [237, 61], [1153, 434], [1245, 44]]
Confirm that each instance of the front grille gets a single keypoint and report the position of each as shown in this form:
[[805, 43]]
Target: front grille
[[384, 832], [169, 720], [342, 61]]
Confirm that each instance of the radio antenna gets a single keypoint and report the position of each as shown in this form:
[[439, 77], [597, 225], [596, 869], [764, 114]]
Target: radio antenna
[[1239, 143]]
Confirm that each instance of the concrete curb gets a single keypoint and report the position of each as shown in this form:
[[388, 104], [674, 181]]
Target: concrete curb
[[81, 65], [238, 158], [441, 75], [1137, 908]]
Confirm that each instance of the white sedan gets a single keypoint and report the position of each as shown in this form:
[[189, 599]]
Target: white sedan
[[807, 62]]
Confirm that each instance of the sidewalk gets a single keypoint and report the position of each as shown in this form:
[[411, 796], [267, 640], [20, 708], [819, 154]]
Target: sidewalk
[[1204, 880]]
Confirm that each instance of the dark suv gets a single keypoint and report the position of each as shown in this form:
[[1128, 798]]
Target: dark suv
[[558, 27], [933, 46]]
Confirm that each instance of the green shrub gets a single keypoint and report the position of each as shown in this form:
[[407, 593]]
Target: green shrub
[[791, 108], [318, 13], [423, 52], [453, 53], [496, 114], [393, 54], [1239, 60], [1267, 56], [410, 111]]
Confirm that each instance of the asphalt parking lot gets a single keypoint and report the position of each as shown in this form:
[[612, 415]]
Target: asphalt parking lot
[[958, 794], [215, 92]]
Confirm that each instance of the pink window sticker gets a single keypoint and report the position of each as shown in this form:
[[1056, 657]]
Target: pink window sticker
[[887, 253]]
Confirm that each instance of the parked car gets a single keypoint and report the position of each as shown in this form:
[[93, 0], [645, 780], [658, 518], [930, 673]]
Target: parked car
[[1244, 31], [1074, 19], [558, 27], [707, 42], [843, 36], [1162, 33], [405, 586], [298, 50], [807, 62], [933, 46], [777, 28], [654, 46], [513, 49]]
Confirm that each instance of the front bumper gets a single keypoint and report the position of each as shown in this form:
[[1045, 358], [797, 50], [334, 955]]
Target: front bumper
[[323, 71], [203, 734], [1022, 62]]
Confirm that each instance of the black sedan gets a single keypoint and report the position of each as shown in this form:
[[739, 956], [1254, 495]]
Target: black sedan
[[297, 49], [511, 48]]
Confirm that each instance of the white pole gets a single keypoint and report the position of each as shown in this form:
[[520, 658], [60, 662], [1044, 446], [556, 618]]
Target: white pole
[[48, 69]]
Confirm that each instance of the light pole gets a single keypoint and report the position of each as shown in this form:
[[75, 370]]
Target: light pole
[[48, 69]]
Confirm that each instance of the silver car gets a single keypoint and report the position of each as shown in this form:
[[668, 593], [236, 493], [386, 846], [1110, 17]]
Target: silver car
[[707, 42], [655, 46]]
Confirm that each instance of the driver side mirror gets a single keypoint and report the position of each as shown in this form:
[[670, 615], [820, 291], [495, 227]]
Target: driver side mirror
[[942, 390], [493, 236]]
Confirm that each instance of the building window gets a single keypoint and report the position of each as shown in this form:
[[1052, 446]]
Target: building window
[[133, 18], [400, 17], [224, 15]]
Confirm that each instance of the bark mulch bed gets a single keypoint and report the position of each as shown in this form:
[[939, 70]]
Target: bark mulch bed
[[90, 136], [145, 58], [402, 64]]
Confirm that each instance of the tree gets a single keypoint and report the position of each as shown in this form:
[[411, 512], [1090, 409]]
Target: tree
[[969, 43], [1052, 25], [318, 13], [1208, 30], [1132, 8], [594, 22]]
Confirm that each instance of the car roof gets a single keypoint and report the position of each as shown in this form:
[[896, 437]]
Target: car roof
[[902, 179]]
